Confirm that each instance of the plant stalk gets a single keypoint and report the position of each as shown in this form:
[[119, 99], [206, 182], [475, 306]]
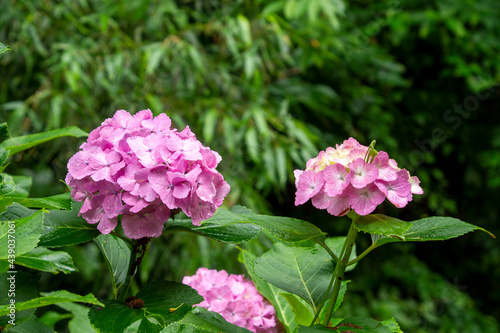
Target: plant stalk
[[340, 268]]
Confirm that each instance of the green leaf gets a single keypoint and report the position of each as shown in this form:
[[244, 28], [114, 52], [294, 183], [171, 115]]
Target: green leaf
[[60, 296], [284, 228], [80, 322], [245, 32], [209, 125], [392, 325], [353, 325], [273, 294], [25, 235], [32, 325], [304, 314], [46, 260], [59, 201], [431, 229], [364, 325], [4, 132], [60, 227], [160, 300], [305, 272], [201, 320], [7, 186], [118, 255], [4, 48], [281, 165], [217, 228], [4, 155], [24, 289], [63, 228], [252, 143], [381, 225], [116, 316], [21, 143], [51, 318]]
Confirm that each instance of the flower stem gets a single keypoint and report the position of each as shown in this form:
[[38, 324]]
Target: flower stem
[[341, 266], [362, 255]]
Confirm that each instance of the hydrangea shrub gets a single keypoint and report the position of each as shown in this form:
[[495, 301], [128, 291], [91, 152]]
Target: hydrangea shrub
[[235, 298], [141, 169]]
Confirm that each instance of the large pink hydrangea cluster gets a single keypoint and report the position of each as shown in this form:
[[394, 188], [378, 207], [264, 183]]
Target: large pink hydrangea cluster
[[140, 168], [351, 177], [235, 298]]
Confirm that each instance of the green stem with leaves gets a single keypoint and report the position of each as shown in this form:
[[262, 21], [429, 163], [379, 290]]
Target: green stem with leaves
[[341, 266]]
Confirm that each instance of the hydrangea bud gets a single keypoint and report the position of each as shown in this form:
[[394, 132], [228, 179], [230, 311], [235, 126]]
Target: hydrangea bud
[[353, 176], [141, 169], [235, 298]]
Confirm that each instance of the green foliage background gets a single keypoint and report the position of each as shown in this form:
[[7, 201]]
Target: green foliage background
[[268, 84]]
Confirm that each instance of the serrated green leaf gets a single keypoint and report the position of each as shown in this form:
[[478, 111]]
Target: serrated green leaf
[[33, 324], [80, 322], [431, 229], [159, 298], [392, 325], [60, 227], [284, 228], [21, 143], [65, 227], [234, 227], [59, 201], [201, 320], [118, 255], [305, 272], [382, 225], [45, 260], [273, 294], [60, 296], [234, 234], [353, 325], [24, 233], [116, 316]]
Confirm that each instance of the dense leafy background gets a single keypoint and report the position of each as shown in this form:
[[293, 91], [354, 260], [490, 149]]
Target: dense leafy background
[[268, 84]]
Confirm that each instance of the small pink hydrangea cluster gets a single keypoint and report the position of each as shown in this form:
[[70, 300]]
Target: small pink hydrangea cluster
[[140, 168], [235, 298], [349, 177]]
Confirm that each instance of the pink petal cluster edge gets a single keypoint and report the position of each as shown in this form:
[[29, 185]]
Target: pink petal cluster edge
[[235, 298], [346, 177], [140, 168]]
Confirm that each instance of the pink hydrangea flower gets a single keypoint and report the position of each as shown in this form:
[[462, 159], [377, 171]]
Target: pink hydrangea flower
[[138, 167], [350, 176], [235, 298]]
